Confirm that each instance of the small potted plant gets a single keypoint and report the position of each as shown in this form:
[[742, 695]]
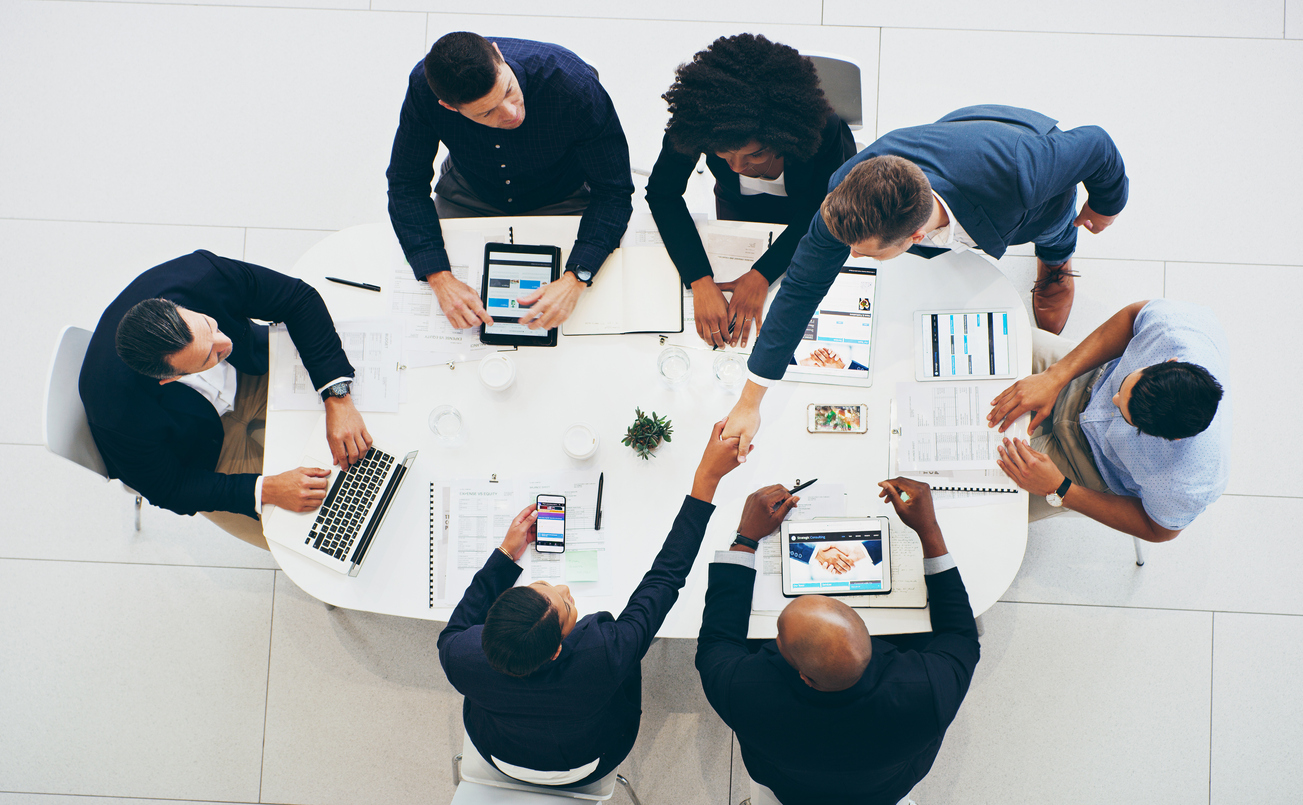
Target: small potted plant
[[646, 433]]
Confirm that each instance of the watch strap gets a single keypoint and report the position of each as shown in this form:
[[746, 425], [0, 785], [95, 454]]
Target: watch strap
[[1063, 487], [575, 270], [738, 539]]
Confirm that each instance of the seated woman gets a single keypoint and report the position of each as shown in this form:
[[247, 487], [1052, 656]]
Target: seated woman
[[755, 108]]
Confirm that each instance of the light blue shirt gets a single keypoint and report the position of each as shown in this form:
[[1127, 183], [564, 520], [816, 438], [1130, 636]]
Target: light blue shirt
[[1175, 480]]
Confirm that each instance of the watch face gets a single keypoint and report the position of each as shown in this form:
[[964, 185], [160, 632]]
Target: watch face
[[584, 274], [1054, 500]]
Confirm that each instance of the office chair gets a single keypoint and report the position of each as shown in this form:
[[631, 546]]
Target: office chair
[[67, 432], [474, 776], [1140, 551], [840, 79]]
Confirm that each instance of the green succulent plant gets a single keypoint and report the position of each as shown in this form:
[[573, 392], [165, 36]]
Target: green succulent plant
[[646, 433]]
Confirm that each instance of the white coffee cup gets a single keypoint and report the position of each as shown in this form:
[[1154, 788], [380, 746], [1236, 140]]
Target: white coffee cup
[[580, 441], [497, 372]]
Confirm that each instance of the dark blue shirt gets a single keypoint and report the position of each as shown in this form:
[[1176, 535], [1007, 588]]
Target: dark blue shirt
[[571, 135]]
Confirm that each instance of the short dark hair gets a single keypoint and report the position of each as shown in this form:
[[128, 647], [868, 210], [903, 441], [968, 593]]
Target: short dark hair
[[885, 197], [461, 67], [1174, 400], [521, 633], [745, 88], [149, 334]]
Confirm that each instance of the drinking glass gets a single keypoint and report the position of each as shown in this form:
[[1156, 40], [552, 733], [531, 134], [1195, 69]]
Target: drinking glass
[[673, 364], [447, 426]]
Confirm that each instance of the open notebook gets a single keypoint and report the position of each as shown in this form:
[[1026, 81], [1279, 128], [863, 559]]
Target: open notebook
[[637, 290]]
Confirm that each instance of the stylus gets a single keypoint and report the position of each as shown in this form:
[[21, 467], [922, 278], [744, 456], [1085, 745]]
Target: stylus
[[799, 487], [366, 286]]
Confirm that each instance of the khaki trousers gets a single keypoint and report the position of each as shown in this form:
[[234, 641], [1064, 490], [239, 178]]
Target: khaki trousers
[[1060, 436], [244, 428]]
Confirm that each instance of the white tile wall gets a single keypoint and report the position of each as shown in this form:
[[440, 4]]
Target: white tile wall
[[801, 12]]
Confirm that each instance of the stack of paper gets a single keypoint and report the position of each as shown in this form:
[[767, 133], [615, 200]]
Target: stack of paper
[[428, 337], [372, 346]]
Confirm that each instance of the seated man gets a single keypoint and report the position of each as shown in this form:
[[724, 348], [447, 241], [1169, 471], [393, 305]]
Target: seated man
[[175, 387], [1132, 426], [876, 711], [552, 698], [984, 177], [567, 156], [755, 108]]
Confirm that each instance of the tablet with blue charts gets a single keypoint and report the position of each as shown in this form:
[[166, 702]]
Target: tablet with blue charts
[[964, 345], [513, 271]]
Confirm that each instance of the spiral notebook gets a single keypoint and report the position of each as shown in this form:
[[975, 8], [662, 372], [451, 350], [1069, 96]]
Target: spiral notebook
[[992, 480], [439, 499]]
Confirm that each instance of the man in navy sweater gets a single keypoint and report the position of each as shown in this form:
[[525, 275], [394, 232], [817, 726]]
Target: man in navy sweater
[[552, 698], [876, 711]]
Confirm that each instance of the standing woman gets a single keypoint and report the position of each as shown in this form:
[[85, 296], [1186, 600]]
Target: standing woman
[[755, 108]]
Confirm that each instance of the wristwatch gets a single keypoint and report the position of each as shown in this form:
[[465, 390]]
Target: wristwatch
[[745, 542], [583, 275], [340, 389], [1055, 498]]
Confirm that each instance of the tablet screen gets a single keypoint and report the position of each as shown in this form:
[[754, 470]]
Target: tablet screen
[[836, 560], [838, 341], [512, 275]]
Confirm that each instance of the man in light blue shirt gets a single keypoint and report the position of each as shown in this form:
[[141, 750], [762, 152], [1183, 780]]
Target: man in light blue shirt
[[1134, 422]]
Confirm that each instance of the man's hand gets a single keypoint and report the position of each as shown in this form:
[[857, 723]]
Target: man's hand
[[1031, 470], [1092, 220], [299, 490], [459, 301], [1033, 393], [913, 503], [764, 510], [719, 459], [744, 420], [346, 433], [522, 531], [551, 304], [832, 558], [747, 304], [710, 310]]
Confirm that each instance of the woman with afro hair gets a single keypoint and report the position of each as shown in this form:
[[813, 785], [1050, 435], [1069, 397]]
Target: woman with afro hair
[[755, 109]]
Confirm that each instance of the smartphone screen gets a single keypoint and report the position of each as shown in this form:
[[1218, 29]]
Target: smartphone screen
[[551, 524], [837, 419]]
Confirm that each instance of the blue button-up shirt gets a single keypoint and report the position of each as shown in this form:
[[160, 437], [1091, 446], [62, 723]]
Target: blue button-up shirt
[[571, 135], [1175, 480]]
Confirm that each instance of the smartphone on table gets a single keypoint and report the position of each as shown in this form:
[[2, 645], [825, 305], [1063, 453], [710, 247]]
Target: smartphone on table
[[837, 418], [551, 524]]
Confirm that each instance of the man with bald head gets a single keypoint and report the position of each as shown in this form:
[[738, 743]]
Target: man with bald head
[[876, 710]]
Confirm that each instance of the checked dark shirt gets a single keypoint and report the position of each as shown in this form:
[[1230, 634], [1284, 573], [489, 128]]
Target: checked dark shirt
[[571, 135]]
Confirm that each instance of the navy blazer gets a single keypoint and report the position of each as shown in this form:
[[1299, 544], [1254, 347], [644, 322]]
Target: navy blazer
[[164, 440], [869, 744], [1008, 175], [587, 703]]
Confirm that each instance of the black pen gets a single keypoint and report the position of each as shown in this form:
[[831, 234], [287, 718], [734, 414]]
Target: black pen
[[366, 286], [597, 523], [799, 487]]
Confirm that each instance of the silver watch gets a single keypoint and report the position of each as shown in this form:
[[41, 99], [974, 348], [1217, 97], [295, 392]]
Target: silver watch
[[1055, 498]]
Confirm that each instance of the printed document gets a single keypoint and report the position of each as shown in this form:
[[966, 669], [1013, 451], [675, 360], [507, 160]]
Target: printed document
[[372, 346], [943, 426], [428, 337]]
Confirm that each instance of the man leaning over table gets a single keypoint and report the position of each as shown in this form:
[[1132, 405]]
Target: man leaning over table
[[1131, 427], [529, 131], [553, 698], [876, 709]]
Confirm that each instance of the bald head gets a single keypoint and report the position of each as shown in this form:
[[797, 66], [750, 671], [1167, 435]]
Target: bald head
[[825, 641]]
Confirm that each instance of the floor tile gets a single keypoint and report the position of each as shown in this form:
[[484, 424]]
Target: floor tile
[[350, 679], [1258, 307], [57, 274], [131, 680], [735, 12], [1255, 18], [1294, 19], [1218, 563], [62, 799], [223, 116], [1081, 705], [739, 780], [343, 5], [635, 85], [94, 520], [280, 249], [684, 751], [1146, 91], [1257, 731]]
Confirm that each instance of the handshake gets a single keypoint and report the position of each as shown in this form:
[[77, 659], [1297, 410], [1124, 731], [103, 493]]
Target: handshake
[[839, 559]]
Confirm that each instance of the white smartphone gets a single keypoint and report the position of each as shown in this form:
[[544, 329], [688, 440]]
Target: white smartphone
[[551, 524], [837, 418]]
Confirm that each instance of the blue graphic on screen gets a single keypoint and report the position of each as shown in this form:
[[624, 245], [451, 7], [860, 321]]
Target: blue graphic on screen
[[511, 276], [551, 523]]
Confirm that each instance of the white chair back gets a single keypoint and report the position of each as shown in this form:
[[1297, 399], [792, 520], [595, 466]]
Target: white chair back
[[67, 432], [840, 79]]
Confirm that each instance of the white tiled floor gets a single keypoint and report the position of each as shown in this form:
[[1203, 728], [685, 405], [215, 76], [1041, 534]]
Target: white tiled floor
[[176, 664]]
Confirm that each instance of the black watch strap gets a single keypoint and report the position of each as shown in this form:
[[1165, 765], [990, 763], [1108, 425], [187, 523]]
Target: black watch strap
[[340, 389], [1063, 487], [738, 539]]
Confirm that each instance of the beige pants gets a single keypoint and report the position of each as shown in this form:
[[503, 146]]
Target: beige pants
[[1060, 436], [245, 426]]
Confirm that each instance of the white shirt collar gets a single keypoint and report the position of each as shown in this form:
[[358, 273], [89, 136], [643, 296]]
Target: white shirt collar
[[952, 235]]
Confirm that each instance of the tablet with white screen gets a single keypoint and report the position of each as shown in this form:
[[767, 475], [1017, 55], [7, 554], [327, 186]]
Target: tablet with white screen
[[964, 345], [836, 557], [512, 271]]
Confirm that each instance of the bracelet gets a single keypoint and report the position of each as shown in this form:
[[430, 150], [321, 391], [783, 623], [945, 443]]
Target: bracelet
[[504, 553]]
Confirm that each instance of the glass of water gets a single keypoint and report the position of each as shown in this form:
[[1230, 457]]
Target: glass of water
[[730, 370], [447, 426], [673, 364]]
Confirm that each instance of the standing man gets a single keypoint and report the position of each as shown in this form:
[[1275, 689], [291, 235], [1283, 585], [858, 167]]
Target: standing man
[[868, 714], [530, 131], [1131, 427], [985, 177], [175, 388]]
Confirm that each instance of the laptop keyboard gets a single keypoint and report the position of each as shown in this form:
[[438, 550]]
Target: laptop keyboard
[[345, 508]]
